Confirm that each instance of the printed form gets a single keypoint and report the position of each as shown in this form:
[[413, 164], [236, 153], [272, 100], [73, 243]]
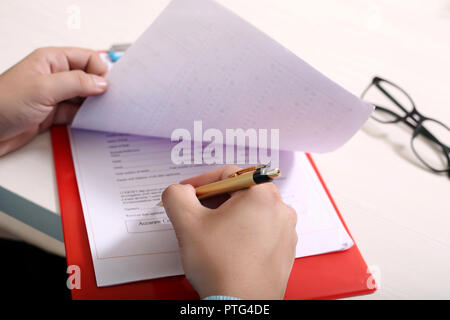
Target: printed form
[[121, 178]]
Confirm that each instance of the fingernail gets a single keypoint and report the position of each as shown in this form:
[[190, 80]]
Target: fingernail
[[100, 82]]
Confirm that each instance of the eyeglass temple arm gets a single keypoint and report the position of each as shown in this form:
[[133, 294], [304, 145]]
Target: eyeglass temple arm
[[391, 97]]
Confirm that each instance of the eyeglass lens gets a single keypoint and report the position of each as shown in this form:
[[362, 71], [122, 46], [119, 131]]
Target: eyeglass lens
[[430, 152]]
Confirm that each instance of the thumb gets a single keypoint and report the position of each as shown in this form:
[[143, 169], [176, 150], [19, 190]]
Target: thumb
[[182, 206], [66, 85]]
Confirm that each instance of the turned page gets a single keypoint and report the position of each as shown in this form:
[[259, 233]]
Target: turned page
[[200, 61]]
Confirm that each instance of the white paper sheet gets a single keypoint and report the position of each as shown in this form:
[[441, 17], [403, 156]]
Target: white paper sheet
[[120, 180], [200, 61]]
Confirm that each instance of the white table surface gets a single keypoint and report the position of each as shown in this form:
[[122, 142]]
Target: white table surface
[[398, 213]]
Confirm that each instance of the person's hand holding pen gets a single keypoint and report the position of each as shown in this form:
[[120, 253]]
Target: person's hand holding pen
[[243, 248]]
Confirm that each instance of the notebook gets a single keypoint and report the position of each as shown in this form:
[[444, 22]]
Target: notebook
[[199, 61]]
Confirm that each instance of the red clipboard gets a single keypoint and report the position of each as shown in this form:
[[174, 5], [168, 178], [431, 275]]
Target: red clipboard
[[326, 276]]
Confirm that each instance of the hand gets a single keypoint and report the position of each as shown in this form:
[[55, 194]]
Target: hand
[[45, 88], [244, 248]]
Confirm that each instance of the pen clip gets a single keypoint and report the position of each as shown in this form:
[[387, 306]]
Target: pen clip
[[249, 169]]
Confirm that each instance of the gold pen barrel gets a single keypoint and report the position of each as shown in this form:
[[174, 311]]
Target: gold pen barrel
[[243, 180], [240, 182]]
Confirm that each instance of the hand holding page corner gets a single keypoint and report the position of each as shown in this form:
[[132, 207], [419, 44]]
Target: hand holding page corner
[[201, 57]]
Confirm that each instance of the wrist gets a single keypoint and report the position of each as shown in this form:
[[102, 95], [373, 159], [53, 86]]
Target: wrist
[[219, 297], [231, 287]]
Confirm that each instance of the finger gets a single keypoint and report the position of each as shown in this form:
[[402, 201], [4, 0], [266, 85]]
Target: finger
[[68, 58], [181, 205], [67, 85], [76, 101], [87, 60], [216, 201], [264, 192], [44, 125], [65, 112], [211, 176]]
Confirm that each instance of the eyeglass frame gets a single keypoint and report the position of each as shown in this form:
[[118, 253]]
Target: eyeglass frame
[[414, 115]]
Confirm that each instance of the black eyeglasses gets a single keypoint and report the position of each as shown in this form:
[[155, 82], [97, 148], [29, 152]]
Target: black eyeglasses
[[431, 138]]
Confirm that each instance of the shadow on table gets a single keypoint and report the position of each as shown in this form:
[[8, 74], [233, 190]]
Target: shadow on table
[[401, 149]]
